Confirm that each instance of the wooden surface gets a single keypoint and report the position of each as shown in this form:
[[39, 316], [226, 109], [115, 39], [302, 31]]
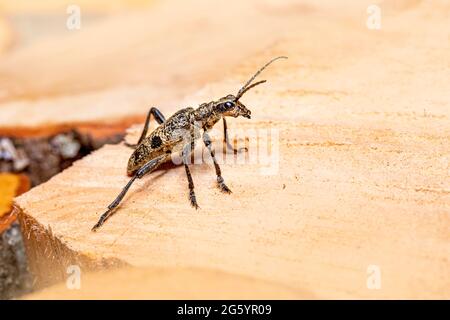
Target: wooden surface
[[363, 124], [168, 283], [56, 6], [5, 35]]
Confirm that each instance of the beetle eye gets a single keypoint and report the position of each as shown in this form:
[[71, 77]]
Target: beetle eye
[[228, 104]]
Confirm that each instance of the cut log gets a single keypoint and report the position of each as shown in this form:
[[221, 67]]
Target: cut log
[[166, 283], [352, 201]]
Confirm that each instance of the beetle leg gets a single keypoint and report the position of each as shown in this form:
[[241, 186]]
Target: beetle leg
[[227, 141], [146, 168], [185, 155], [207, 140], [159, 117]]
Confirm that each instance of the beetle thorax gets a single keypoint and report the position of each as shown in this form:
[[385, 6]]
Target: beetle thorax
[[206, 115]]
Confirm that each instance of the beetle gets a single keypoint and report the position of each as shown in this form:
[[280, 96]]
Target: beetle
[[170, 137]]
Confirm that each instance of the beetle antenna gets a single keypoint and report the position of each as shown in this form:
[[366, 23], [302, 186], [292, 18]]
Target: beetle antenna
[[247, 85]]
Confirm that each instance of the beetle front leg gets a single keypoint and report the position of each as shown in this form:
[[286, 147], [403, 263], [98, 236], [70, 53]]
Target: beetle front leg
[[227, 141], [207, 140]]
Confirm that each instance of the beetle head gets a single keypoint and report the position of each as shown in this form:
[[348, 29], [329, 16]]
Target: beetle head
[[230, 106]]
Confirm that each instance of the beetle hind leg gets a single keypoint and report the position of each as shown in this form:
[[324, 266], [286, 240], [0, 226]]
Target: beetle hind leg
[[159, 117], [147, 168]]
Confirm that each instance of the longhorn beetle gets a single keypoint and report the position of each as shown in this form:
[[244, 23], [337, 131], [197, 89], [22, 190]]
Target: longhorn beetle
[[170, 137]]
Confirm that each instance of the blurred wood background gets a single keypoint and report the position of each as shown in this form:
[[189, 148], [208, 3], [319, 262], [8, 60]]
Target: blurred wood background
[[363, 123]]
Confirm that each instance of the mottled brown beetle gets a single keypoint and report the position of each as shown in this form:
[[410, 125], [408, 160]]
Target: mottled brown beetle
[[170, 137]]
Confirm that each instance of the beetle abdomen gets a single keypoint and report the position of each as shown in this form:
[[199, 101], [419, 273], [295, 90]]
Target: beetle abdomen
[[141, 155]]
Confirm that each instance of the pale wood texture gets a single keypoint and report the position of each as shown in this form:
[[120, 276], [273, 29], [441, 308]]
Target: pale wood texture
[[58, 6], [5, 35], [168, 283], [363, 179]]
